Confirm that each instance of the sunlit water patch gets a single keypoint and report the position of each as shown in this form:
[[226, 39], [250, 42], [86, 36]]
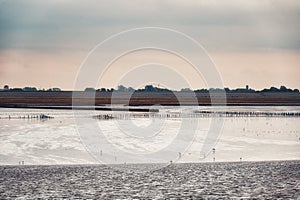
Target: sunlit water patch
[[56, 141]]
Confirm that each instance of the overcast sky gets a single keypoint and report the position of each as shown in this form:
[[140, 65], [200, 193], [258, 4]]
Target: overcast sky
[[43, 43]]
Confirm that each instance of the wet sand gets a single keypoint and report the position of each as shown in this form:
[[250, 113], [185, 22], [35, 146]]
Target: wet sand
[[267, 180]]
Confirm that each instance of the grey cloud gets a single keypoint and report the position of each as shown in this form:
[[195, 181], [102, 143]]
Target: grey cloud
[[78, 24]]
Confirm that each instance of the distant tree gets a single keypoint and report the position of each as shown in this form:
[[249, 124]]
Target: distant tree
[[6, 87], [103, 89], [201, 90], [130, 89], [274, 89], [149, 88], [110, 90], [185, 90], [220, 90], [122, 88], [283, 89]]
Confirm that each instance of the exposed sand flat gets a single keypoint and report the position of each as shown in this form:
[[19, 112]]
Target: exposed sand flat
[[264, 180], [150, 98]]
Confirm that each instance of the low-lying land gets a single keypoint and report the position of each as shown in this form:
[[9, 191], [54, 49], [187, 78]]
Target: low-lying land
[[10, 98]]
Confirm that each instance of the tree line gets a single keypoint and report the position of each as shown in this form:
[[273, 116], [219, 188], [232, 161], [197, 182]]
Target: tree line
[[151, 88]]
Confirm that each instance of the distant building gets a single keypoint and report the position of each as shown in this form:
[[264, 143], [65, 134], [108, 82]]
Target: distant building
[[89, 89], [56, 89], [16, 89], [29, 89]]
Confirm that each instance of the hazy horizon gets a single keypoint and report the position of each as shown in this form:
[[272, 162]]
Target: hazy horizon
[[43, 44]]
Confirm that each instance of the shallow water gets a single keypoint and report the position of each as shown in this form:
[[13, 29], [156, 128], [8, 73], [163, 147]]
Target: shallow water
[[56, 141], [264, 180]]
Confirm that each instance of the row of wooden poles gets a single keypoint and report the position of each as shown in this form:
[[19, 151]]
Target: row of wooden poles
[[249, 114], [138, 115], [40, 116], [197, 114]]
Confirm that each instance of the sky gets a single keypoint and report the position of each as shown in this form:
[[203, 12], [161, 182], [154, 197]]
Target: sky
[[45, 43]]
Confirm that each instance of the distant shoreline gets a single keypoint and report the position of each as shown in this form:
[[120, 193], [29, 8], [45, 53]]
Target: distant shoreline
[[64, 98]]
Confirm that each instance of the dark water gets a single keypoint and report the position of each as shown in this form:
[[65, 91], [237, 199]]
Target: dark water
[[209, 180]]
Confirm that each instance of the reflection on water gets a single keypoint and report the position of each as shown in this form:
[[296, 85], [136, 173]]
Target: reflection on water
[[56, 141]]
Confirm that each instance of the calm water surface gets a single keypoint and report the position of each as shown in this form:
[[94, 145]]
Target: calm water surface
[[56, 141]]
